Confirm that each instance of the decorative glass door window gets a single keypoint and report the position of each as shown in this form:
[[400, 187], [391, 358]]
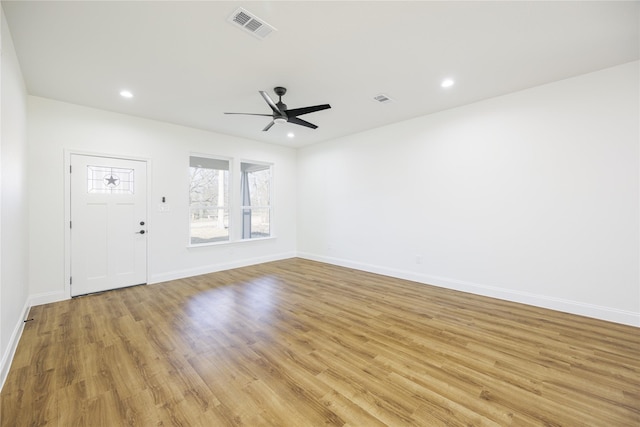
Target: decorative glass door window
[[106, 180]]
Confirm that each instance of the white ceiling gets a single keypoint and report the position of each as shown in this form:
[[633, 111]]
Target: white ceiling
[[187, 65]]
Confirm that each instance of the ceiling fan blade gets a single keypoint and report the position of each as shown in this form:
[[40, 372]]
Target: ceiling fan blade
[[301, 122], [272, 104], [280, 112], [253, 114], [267, 127], [305, 110]]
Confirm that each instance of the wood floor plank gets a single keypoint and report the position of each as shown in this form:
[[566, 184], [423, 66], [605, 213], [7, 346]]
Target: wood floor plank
[[302, 343]]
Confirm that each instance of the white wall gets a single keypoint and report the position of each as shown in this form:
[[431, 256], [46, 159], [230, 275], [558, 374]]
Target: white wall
[[531, 197], [57, 128], [14, 232]]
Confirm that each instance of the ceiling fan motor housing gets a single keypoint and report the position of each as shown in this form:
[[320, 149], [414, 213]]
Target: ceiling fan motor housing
[[280, 91]]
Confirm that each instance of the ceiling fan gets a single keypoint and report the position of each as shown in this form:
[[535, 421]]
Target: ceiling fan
[[282, 115]]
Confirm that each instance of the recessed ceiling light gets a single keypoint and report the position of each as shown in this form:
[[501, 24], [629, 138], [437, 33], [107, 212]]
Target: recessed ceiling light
[[447, 83], [290, 134], [126, 94]]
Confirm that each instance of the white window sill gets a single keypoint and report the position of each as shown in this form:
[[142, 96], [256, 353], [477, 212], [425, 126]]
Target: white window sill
[[229, 242]]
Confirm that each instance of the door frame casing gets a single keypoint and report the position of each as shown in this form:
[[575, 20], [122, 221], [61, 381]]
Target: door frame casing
[[67, 207]]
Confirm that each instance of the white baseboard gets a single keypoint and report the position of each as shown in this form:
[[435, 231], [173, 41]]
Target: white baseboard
[[212, 268], [544, 301], [33, 300], [47, 297], [7, 357]]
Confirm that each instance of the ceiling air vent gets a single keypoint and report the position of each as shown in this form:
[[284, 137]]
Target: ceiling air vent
[[251, 23], [382, 98]]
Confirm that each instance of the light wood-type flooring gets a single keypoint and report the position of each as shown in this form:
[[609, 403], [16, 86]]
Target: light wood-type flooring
[[300, 343]]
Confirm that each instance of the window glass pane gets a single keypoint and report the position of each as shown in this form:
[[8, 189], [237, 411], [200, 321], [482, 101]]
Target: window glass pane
[[256, 200], [209, 200], [106, 180], [209, 225], [260, 222], [260, 187]]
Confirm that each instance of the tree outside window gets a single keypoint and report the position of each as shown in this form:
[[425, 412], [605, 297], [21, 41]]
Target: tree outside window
[[208, 200]]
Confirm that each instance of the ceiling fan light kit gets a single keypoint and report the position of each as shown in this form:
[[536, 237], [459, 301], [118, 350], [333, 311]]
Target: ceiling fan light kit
[[281, 114]]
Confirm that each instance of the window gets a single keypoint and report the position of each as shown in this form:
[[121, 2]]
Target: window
[[255, 183], [219, 212], [208, 200], [108, 180]]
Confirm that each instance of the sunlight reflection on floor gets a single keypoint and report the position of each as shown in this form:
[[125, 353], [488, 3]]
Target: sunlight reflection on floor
[[215, 308]]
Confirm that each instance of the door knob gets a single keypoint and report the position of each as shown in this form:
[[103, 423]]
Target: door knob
[[141, 232]]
